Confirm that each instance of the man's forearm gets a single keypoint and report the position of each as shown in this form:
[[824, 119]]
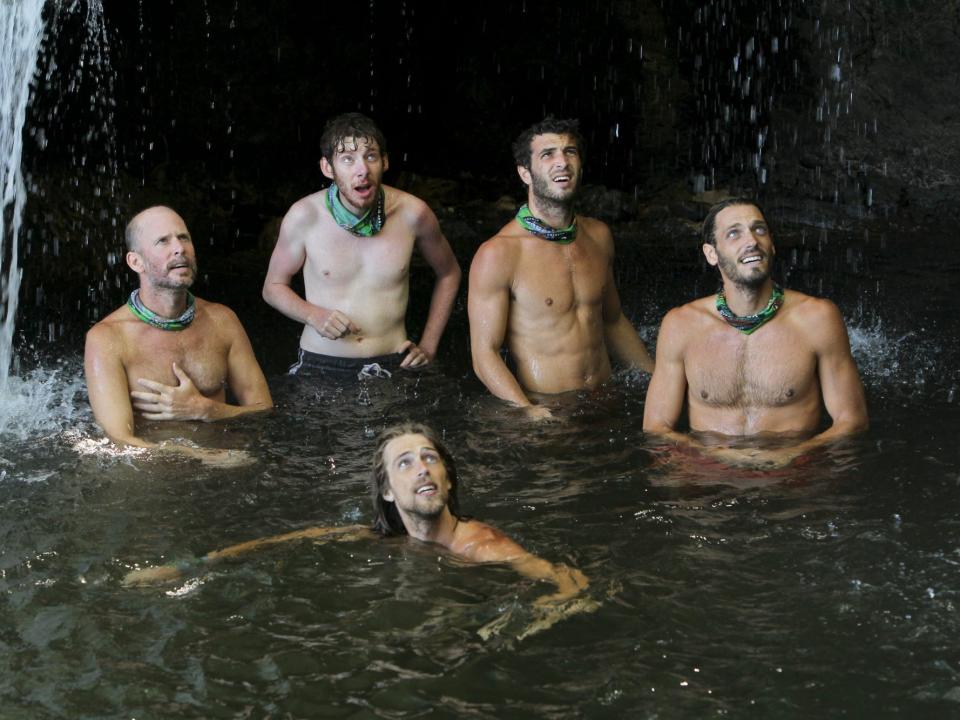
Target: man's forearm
[[441, 307], [282, 298], [216, 410], [494, 373]]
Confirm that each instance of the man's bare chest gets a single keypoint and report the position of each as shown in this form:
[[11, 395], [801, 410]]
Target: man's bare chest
[[201, 355], [559, 279], [734, 370], [342, 258]]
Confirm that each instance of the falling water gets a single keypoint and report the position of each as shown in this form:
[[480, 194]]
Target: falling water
[[21, 25], [44, 398]]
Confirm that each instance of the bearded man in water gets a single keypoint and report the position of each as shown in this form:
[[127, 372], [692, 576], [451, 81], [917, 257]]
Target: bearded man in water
[[544, 284], [753, 359]]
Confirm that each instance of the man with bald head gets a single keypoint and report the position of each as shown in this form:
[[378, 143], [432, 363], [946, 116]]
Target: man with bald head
[[165, 353]]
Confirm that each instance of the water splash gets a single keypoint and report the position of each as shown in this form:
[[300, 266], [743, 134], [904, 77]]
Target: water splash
[[21, 30], [43, 402]]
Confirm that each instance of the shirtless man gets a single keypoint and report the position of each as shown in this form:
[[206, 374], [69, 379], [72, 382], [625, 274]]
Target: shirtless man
[[545, 284], [753, 359], [414, 491], [354, 243], [173, 354]]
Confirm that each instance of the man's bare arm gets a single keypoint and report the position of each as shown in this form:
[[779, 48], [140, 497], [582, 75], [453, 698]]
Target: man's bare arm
[[668, 386], [840, 383], [439, 256], [488, 307], [493, 546], [164, 573], [287, 260], [107, 386], [619, 335]]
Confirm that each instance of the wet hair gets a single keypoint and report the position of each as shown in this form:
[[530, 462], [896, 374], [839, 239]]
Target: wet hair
[[709, 228], [550, 124], [352, 124], [386, 518]]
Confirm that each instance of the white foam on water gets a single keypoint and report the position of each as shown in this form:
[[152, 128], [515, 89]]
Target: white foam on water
[[43, 402]]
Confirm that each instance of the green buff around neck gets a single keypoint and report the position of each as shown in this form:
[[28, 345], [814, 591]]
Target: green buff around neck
[[151, 318], [750, 323], [366, 226], [539, 228]]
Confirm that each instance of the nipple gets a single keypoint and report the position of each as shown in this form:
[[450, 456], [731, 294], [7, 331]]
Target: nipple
[[549, 301]]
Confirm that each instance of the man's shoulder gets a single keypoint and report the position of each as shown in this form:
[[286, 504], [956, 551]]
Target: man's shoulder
[[594, 226], [414, 210], [112, 323], [109, 335], [693, 312], [502, 249], [217, 312], [809, 308], [307, 210]]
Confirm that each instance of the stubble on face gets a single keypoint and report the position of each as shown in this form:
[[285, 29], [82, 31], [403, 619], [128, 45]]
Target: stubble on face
[[402, 483], [733, 222], [542, 173], [153, 225]]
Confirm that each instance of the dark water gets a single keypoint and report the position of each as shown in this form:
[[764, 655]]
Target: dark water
[[822, 590]]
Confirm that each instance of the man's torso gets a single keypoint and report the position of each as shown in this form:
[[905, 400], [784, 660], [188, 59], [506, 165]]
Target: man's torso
[[555, 323], [740, 384], [365, 278], [200, 350]]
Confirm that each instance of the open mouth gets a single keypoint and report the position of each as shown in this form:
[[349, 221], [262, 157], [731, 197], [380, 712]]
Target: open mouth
[[428, 489], [751, 259], [562, 178]]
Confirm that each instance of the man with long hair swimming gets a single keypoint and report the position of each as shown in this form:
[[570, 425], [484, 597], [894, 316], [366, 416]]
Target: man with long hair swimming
[[414, 492]]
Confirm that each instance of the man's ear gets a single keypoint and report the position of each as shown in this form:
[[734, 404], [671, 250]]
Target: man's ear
[[134, 261], [710, 253], [326, 168], [386, 162], [524, 174], [387, 494]]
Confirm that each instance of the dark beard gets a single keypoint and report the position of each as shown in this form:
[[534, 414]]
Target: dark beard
[[731, 271], [546, 200]]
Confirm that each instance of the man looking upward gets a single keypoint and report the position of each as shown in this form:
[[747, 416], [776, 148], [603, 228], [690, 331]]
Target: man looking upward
[[753, 358], [179, 352], [544, 284], [354, 242]]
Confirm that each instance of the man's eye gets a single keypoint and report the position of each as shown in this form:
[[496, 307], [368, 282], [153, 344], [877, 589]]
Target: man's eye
[[430, 458], [760, 230], [403, 464]]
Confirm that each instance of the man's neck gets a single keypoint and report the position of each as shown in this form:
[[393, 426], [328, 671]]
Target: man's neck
[[165, 302], [556, 215], [438, 530], [744, 300]]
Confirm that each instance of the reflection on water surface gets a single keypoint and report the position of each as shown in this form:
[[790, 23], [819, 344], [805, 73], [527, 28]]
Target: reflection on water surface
[[827, 590]]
